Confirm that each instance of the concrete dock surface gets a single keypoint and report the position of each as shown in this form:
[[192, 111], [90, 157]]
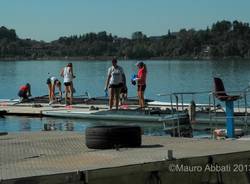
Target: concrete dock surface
[[62, 157]]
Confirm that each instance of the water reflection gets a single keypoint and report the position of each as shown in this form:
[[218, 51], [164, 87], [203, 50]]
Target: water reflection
[[69, 126], [20, 124], [25, 124], [53, 125]]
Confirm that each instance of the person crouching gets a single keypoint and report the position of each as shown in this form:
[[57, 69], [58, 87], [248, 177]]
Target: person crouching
[[24, 92]]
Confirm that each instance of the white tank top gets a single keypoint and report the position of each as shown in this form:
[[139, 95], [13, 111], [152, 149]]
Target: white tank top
[[67, 75], [53, 79]]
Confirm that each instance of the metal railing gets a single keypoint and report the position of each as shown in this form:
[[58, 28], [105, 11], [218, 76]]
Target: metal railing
[[241, 107], [178, 106]]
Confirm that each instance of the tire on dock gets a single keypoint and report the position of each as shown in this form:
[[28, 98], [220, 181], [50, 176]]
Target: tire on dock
[[108, 137]]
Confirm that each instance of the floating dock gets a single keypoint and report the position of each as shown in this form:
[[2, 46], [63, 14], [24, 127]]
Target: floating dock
[[62, 157], [88, 110], [131, 113]]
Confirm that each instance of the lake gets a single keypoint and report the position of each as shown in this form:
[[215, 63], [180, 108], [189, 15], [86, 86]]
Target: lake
[[163, 77], [26, 124]]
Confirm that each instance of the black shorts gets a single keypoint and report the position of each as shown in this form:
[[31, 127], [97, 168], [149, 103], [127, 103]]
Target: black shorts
[[67, 83], [115, 85], [141, 88], [48, 81], [22, 94]]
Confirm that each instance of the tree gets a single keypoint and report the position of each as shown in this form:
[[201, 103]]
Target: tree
[[221, 27], [9, 34], [138, 36]]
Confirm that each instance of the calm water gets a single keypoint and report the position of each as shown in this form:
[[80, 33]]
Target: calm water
[[24, 124], [163, 77]]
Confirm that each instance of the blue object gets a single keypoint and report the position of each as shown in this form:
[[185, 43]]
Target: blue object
[[133, 77], [106, 93], [230, 118]]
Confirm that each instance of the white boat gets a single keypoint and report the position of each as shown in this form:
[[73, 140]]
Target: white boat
[[114, 115]]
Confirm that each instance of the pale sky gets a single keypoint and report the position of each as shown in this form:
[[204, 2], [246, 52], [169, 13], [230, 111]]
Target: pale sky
[[49, 19]]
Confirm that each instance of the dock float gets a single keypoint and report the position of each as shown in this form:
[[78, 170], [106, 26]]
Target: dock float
[[97, 112], [62, 157]]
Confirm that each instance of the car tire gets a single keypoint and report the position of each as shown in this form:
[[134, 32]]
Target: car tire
[[108, 137]]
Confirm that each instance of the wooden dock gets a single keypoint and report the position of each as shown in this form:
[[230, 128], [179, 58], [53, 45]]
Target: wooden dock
[[62, 157]]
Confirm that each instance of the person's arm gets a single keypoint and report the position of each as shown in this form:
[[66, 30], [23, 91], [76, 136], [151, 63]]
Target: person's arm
[[29, 92], [139, 75], [62, 72], [107, 82], [108, 79], [71, 70], [60, 91]]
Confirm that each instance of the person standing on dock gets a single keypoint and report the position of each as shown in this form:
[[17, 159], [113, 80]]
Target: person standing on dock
[[141, 82], [68, 76], [24, 92], [52, 83], [114, 82]]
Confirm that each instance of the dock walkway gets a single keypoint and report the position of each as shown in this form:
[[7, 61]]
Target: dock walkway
[[62, 157]]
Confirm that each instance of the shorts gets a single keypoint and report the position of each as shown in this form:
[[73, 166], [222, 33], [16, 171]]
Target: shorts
[[67, 83], [22, 94], [48, 81], [141, 88], [115, 85]]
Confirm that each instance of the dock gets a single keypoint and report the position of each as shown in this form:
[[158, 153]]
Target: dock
[[131, 113], [87, 111], [62, 157]]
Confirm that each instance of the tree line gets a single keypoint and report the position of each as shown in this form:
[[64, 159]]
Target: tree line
[[224, 39]]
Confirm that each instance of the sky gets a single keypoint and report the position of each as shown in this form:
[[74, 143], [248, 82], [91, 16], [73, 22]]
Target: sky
[[48, 20]]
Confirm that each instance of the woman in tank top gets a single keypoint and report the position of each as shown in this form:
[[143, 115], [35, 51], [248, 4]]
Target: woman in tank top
[[68, 76], [52, 83]]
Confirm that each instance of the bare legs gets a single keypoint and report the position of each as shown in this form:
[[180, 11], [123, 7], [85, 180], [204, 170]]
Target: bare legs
[[69, 94], [141, 99], [114, 95], [50, 92]]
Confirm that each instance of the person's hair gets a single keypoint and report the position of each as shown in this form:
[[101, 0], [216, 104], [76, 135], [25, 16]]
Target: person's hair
[[141, 65], [69, 64], [114, 60], [145, 67], [28, 85]]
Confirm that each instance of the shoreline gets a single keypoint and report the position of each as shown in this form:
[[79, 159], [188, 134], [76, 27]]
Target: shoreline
[[108, 58]]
